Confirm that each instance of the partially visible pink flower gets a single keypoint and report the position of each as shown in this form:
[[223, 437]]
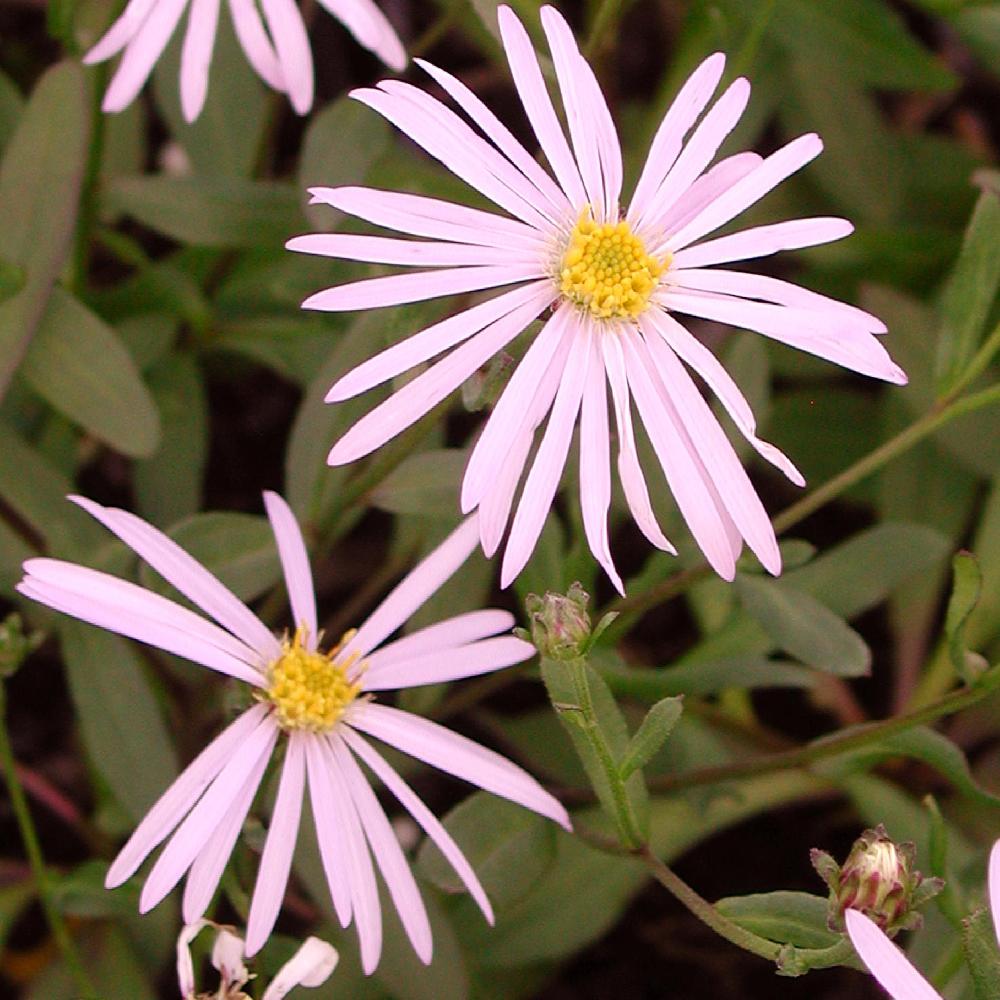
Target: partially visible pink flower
[[614, 279], [323, 706], [275, 44], [889, 965]]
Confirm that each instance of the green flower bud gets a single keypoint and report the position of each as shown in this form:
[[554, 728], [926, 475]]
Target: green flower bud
[[560, 625], [878, 878]]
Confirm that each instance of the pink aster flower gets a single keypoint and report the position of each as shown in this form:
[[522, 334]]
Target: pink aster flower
[[276, 45], [321, 705], [614, 280], [890, 967]]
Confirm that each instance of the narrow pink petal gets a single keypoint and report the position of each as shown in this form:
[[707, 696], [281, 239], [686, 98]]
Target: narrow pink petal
[[762, 241], [685, 474], [291, 43], [429, 388], [595, 460], [771, 172], [196, 56], [415, 588], [543, 478], [693, 353], [419, 215], [448, 634], [121, 32], [431, 341], [407, 253], [371, 28], [329, 831], [629, 471], [560, 209], [700, 150], [689, 103], [181, 796], [255, 42], [450, 664], [113, 616], [398, 289], [276, 861], [494, 507], [294, 563], [208, 866], [361, 875], [310, 966], [711, 443], [885, 961], [544, 360], [768, 289], [538, 105], [199, 824], [388, 854], [144, 48], [423, 816], [454, 754], [185, 967], [187, 575], [440, 132], [993, 887]]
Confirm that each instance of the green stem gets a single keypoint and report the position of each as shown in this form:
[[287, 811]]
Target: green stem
[[87, 216], [830, 746], [603, 22], [747, 53], [978, 364], [33, 849]]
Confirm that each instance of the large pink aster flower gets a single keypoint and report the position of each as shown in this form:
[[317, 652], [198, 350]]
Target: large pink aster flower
[[276, 45], [614, 281], [321, 705], [890, 967]]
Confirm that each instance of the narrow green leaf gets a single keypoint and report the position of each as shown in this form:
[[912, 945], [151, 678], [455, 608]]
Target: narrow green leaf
[[979, 943], [425, 483], [947, 900], [11, 279], [78, 365], [215, 212], [121, 722], [965, 592], [796, 918], [802, 626], [40, 177], [652, 733], [509, 848]]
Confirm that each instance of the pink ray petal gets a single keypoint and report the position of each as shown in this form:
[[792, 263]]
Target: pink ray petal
[[121, 32], [538, 105], [494, 507], [454, 754], [388, 854], [423, 816], [294, 563], [450, 664], [993, 887], [291, 44], [187, 575], [415, 588], [181, 796], [255, 42], [886, 962], [406, 253], [371, 28], [276, 861], [196, 56]]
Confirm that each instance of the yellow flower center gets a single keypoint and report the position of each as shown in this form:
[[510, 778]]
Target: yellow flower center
[[311, 690], [606, 269]]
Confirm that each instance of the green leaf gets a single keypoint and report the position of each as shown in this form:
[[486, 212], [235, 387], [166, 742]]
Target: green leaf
[[78, 365], [508, 847], [802, 626], [11, 279], [238, 548], [121, 722], [425, 483], [796, 918], [168, 484], [209, 211], [653, 732], [341, 144], [965, 592], [984, 621], [13, 551], [40, 178], [969, 292], [11, 107], [979, 943]]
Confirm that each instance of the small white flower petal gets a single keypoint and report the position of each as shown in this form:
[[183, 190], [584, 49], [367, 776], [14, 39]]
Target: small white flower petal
[[185, 967], [311, 966], [885, 961], [227, 958]]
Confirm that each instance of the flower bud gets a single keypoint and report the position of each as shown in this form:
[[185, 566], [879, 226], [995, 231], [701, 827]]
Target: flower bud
[[560, 625], [878, 878]]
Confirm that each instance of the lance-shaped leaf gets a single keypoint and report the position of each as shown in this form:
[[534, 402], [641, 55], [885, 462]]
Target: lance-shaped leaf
[[653, 732], [965, 592], [795, 918], [980, 946]]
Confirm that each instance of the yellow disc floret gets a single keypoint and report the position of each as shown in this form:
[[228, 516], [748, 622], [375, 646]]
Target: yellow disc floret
[[311, 690], [606, 269]]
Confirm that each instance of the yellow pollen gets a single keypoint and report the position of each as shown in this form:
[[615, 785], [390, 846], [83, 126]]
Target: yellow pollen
[[606, 269], [311, 690]]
